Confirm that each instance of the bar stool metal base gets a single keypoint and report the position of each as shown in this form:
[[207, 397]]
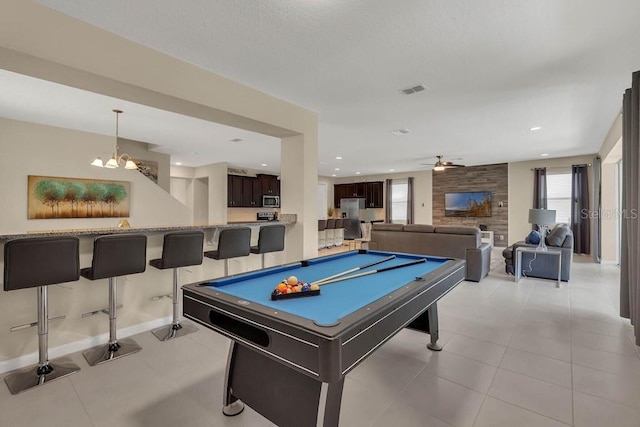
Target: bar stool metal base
[[172, 331], [233, 409], [28, 378], [106, 352]]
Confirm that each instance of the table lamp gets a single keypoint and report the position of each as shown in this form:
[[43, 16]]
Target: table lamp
[[542, 218]]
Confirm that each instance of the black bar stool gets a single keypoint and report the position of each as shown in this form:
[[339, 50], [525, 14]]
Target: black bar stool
[[232, 243], [270, 239], [36, 263], [115, 255], [179, 249]]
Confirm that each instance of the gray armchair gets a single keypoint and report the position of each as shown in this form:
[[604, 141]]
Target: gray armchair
[[545, 267]]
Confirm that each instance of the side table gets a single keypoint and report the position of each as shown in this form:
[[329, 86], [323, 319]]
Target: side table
[[549, 252]]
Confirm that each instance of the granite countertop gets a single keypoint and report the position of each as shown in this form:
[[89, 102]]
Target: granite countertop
[[285, 219]]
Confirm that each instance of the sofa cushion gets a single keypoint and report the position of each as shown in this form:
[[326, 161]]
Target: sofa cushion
[[558, 234], [454, 229], [419, 228], [507, 253], [383, 226], [533, 238]]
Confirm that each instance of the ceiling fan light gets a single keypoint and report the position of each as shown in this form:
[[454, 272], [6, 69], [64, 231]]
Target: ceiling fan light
[[97, 162], [438, 168], [112, 163]]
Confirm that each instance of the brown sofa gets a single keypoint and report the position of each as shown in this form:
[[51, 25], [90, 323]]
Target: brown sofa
[[443, 240]]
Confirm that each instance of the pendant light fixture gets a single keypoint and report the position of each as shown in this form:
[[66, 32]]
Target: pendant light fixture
[[114, 161]]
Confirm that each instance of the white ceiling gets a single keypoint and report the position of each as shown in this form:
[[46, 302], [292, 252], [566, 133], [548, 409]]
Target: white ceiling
[[492, 69]]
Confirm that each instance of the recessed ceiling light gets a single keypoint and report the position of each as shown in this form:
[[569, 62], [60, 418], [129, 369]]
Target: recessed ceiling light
[[178, 164], [391, 170], [535, 128], [263, 164], [544, 154], [357, 173], [399, 132], [336, 169], [338, 157], [333, 174]]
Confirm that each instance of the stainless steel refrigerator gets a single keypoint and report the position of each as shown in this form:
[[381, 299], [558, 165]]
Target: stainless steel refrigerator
[[351, 217]]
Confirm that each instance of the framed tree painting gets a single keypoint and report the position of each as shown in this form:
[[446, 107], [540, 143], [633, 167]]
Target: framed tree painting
[[54, 197]]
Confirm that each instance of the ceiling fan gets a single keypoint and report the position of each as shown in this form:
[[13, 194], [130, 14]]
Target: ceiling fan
[[440, 165]]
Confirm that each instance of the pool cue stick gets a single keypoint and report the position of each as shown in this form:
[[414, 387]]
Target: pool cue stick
[[353, 270], [366, 273]]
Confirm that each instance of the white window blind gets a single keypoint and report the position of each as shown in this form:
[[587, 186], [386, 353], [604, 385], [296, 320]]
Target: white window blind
[[399, 196], [559, 196]]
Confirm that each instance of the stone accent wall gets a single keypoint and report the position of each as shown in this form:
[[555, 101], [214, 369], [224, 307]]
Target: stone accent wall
[[492, 178]]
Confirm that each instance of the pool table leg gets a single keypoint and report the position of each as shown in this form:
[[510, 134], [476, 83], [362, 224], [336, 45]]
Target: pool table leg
[[432, 313], [231, 405]]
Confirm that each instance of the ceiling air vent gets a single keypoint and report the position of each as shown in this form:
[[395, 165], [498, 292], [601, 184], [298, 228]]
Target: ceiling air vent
[[235, 140], [414, 89], [400, 132]]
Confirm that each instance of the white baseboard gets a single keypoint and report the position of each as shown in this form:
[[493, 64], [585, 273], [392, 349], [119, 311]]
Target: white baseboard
[[66, 349]]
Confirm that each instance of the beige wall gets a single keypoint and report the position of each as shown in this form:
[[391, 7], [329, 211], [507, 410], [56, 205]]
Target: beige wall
[[521, 190], [43, 43], [31, 149]]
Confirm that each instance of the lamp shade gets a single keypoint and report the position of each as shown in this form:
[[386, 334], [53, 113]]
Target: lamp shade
[[97, 162], [542, 217]]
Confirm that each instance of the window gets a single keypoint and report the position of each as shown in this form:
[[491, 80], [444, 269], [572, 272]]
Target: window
[[399, 196], [559, 196]]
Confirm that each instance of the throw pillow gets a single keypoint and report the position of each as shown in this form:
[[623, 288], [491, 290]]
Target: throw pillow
[[558, 234], [533, 238]]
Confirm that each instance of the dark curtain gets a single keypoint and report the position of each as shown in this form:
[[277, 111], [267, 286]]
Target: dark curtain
[[597, 209], [580, 222], [630, 238], [387, 200], [539, 190], [410, 200]]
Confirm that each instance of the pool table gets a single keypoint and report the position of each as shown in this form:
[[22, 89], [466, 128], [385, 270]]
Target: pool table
[[288, 358]]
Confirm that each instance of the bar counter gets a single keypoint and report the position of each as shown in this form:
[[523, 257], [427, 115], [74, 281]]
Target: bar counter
[[286, 219], [80, 302]]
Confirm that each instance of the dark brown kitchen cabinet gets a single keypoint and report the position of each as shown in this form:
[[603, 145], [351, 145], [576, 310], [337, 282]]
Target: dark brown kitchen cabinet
[[243, 192], [370, 191], [234, 190], [270, 185], [374, 194]]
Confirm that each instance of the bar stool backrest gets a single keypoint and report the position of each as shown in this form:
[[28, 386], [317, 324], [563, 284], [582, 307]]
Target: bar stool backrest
[[271, 238], [339, 223], [40, 261], [234, 242], [182, 248], [118, 255], [331, 224], [322, 224]]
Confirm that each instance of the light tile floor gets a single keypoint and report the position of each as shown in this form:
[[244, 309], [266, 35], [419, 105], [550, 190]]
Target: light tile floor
[[523, 354]]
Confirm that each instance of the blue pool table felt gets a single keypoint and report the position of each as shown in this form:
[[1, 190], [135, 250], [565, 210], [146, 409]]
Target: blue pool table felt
[[336, 300]]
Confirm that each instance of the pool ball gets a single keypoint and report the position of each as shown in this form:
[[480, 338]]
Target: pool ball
[[292, 280]]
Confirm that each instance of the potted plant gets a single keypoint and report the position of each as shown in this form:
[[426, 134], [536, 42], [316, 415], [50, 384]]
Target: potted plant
[[330, 212]]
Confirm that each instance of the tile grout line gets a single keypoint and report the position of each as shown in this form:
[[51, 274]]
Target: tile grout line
[[84, 408]]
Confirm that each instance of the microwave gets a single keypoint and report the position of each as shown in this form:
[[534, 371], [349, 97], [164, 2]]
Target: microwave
[[270, 201]]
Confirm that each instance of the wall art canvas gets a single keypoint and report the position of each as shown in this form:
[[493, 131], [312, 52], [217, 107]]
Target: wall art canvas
[[54, 197], [148, 168]]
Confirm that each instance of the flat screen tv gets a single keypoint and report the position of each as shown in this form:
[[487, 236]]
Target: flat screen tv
[[465, 204]]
